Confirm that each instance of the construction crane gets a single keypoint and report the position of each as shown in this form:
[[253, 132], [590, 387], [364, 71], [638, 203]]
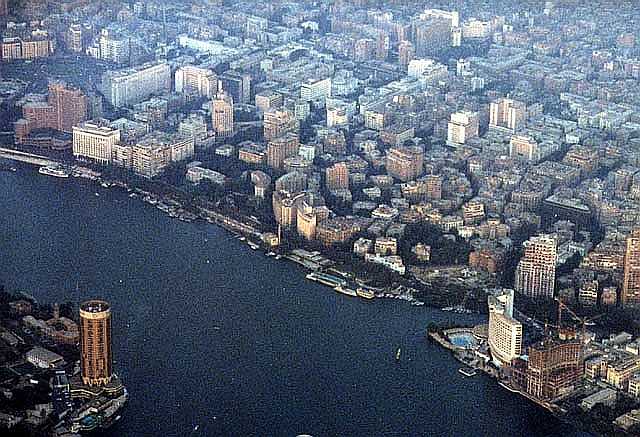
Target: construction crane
[[582, 320]]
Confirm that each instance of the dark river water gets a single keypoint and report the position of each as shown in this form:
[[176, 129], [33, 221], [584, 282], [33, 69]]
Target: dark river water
[[208, 332]]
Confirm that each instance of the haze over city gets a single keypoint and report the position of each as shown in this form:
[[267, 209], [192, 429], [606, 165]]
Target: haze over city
[[319, 218]]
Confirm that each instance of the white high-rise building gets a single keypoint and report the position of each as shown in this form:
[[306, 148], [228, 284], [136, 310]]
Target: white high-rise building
[[536, 272], [133, 85], [505, 332], [507, 113], [94, 142], [463, 126], [452, 16], [196, 81], [316, 90], [114, 47], [222, 115]]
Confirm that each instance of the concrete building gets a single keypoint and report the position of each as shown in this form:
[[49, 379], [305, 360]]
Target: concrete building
[[316, 90], [133, 85], [524, 147], [536, 271], [279, 122], [196, 81], [405, 163], [337, 177], [281, 148], [630, 295], [507, 113], [70, 105], [505, 332], [462, 127], [222, 115], [95, 142]]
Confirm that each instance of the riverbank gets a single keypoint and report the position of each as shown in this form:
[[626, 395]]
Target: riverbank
[[240, 344]]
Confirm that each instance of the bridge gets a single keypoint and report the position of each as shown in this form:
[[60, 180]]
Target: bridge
[[29, 158]]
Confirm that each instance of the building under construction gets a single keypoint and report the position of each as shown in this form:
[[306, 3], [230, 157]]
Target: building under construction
[[552, 368]]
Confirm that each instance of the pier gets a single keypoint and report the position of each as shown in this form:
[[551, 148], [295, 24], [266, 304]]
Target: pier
[[28, 158]]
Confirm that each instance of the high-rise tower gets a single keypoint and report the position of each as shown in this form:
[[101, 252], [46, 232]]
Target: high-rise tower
[[631, 278], [536, 272], [95, 343]]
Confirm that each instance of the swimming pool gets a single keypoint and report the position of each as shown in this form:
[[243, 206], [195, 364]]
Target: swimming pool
[[464, 340]]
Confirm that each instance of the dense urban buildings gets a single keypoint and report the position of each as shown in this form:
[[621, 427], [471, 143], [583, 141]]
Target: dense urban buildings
[[468, 153]]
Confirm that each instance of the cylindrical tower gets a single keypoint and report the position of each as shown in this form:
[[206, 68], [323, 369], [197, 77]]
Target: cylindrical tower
[[95, 342]]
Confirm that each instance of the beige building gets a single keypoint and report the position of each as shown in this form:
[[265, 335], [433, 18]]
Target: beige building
[[310, 211], [536, 271], [507, 113], [405, 163], [462, 127], [222, 115], [279, 122], [337, 176], [94, 142], [524, 147], [630, 295], [281, 148], [196, 81]]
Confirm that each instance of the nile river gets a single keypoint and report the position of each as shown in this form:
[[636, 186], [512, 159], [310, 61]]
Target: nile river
[[208, 332]]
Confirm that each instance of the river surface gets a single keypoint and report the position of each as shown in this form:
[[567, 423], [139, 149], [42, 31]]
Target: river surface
[[210, 334]]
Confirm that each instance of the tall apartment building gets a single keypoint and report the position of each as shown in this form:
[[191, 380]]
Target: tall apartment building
[[432, 36], [222, 115], [267, 100], [95, 343], [133, 85], [94, 142], [74, 38], [279, 122], [405, 163], [337, 176], [505, 332], [406, 53], [196, 81], [70, 105], [462, 127], [507, 113], [536, 271], [37, 44], [630, 296], [310, 210], [281, 148], [195, 127], [316, 90], [114, 47], [153, 153], [452, 17], [524, 147], [237, 85]]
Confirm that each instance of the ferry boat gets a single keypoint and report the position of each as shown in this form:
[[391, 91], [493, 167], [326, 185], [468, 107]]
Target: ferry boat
[[326, 279], [365, 293], [54, 170], [468, 373], [345, 290], [398, 354]]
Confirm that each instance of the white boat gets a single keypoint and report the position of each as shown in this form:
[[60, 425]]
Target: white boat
[[55, 171]]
